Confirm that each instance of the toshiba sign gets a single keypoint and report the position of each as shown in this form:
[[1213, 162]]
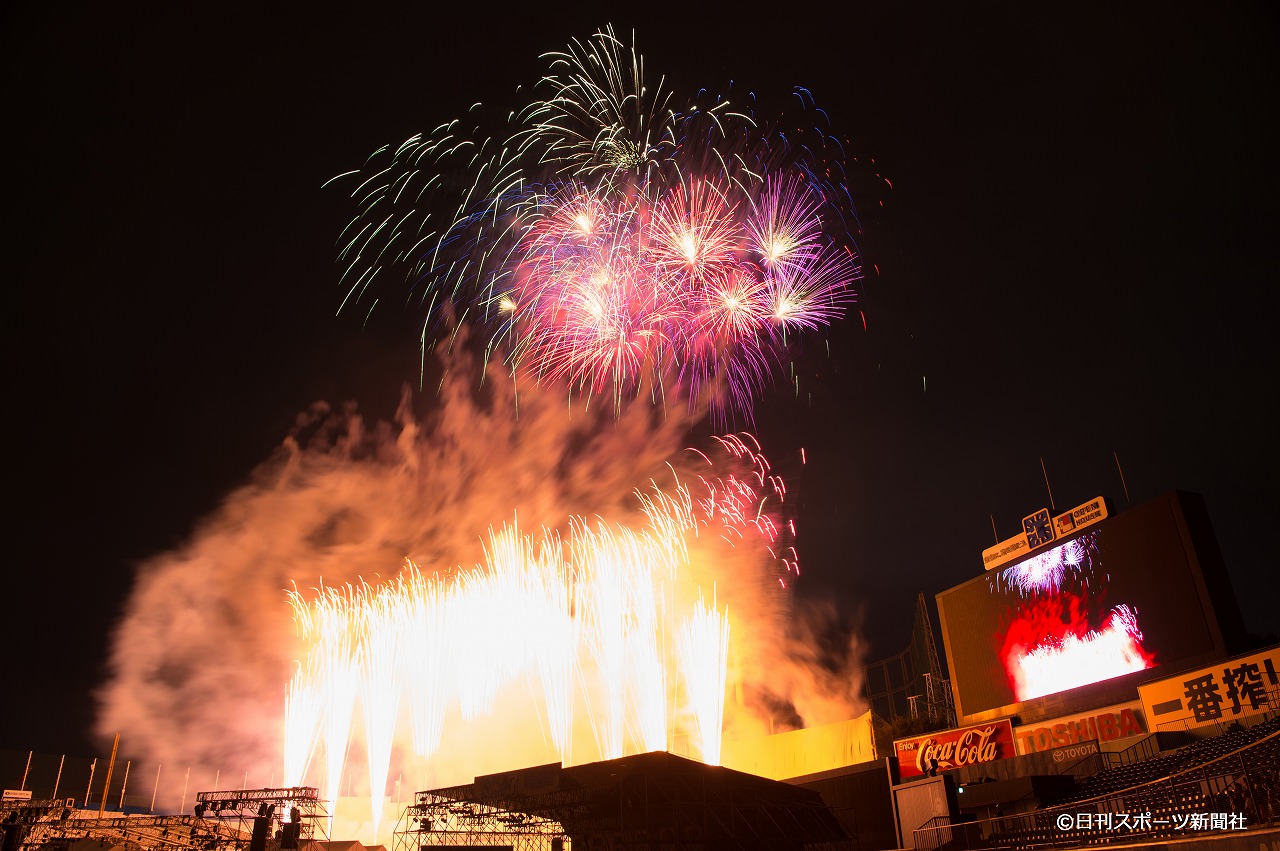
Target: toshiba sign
[[1100, 725]]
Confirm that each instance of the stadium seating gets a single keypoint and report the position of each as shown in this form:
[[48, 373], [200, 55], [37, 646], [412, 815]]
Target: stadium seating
[[1195, 780]]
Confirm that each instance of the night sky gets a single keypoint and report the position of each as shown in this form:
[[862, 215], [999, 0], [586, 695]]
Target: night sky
[[1072, 260]]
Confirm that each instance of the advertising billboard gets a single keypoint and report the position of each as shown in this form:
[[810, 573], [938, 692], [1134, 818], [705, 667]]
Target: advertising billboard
[[1221, 693], [948, 749], [1123, 597], [1107, 724]]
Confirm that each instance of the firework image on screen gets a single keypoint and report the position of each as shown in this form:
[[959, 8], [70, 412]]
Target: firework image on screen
[[1062, 632], [544, 566]]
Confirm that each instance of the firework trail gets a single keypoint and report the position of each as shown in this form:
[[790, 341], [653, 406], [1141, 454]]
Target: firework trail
[[430, 622], [304, 705], [704, 657], [611, 236], [381, 662]]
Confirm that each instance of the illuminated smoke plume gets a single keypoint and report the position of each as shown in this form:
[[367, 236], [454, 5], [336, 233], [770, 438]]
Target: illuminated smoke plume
[[204, 656]]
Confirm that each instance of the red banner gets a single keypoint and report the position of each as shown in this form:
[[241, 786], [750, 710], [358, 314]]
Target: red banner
[[949, 749]]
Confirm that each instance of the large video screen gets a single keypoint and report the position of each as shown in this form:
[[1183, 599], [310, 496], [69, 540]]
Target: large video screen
[[1121, 597]]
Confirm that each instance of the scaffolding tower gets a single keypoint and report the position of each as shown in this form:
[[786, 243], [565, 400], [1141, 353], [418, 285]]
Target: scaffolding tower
[[937, 687], [911, 684]]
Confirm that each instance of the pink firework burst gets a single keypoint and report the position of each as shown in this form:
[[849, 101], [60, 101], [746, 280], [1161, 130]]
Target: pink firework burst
[[616, 239], [690, 286]]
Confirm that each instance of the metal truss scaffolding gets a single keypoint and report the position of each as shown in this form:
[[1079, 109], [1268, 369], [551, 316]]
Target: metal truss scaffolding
[[649, 801], [911, 684], [242, 820], [437, 820], [260, 819], [52, 825]]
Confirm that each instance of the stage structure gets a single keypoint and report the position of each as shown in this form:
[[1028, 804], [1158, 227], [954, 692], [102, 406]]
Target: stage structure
[[647, 800], [29, 825], [24, 823], [280, 819]]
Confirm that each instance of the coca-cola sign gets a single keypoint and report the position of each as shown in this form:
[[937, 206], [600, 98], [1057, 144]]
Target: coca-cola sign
[[948, 749]]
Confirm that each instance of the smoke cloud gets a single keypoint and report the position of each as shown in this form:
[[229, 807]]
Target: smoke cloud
[[204, 652]]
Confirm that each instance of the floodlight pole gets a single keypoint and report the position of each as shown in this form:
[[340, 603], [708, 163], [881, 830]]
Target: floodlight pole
[[88, 790], [111, 765], [58, 779], [124, 784]]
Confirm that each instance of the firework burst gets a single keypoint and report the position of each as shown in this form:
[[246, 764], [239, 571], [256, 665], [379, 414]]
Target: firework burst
[[611, 236]]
